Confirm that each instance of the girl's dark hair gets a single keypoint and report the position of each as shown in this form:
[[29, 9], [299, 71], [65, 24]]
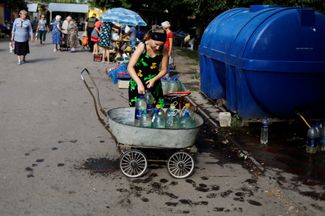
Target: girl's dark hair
[[154, 29]]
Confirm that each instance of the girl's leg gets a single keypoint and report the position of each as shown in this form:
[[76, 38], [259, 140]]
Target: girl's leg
[[107, 54], [96, 48], [104, 54]]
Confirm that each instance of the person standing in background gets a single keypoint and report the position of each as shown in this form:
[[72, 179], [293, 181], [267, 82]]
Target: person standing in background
[[89, 27], [64, 31], [95, 37], [56, 33], [73, 35], [133, 37], [170, 36], [42, 29], [168, 44], [105, 39], [22, 31]]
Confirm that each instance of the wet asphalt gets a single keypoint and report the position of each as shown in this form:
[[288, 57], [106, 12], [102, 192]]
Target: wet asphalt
[[57, 159]]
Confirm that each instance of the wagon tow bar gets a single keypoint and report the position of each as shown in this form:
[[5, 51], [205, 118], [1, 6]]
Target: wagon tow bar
[[96, 101]]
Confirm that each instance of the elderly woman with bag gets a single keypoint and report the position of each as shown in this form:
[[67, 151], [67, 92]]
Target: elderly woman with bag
[[22, 31]]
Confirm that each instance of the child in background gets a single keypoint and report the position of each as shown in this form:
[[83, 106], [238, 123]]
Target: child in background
[[95, 37]]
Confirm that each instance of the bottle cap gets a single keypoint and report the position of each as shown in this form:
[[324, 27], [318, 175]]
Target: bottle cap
[[187, 105], [158, 106]]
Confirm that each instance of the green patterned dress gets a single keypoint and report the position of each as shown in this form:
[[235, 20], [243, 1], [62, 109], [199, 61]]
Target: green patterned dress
[[146, 69]]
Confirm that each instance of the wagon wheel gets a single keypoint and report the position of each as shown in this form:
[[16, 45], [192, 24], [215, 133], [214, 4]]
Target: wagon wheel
[[180, 165], [133, 163]]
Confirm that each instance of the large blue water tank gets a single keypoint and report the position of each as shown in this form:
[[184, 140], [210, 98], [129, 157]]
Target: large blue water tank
[[266, 61]]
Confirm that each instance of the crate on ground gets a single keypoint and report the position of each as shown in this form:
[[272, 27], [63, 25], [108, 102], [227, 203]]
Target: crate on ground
[[123, 83], [225, 119]]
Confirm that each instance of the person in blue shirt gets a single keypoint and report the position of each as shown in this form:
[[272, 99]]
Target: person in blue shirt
[[22, 31], [133, 37]]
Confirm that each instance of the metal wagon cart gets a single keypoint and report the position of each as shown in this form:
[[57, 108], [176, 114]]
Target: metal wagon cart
[[132, 140]]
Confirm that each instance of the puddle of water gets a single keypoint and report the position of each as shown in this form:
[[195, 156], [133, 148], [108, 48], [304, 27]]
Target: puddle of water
[[285, 151], [102, 166]]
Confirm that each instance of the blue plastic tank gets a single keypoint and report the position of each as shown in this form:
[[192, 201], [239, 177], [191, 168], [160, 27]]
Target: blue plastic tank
[[266, 61]]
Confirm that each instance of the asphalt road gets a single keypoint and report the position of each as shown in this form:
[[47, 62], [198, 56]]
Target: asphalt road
[[51, 145]]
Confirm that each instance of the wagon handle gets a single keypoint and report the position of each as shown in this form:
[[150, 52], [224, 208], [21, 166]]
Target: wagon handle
[[101, 120], [97, 98]]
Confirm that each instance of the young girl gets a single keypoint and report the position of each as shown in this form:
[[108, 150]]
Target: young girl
[[144, 66], [95, 37]]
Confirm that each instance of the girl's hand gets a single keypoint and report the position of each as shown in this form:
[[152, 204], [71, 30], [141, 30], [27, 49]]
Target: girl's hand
[[150, 83], [141, 89]]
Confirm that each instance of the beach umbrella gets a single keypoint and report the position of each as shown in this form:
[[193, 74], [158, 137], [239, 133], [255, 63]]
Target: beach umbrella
[[123, 16]]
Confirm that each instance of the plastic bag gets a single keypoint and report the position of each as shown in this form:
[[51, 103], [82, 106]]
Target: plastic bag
[[11, 46]]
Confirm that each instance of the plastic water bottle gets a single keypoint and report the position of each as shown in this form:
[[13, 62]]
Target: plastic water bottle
[[140, 107], [159, 118], [149, 100], [172, 120], [164, 85], [312, 137], [145, 120], [318, 132], [264, 137], [185, 109], [322, 138], [186, 121], [174, 85]]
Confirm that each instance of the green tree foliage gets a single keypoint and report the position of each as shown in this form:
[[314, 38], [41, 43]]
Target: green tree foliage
[[201, 12], [15, 5], [110, 3]]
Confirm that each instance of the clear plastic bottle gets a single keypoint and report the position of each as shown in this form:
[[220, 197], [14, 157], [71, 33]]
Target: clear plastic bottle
[[174, 85], [164, 85], [264, 137], [319, 136], [312, 136], [186, 108], [186, 121], [159, 118], [140, 107], [172, 120], [322, 138], [145, 120], [149, 99]]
